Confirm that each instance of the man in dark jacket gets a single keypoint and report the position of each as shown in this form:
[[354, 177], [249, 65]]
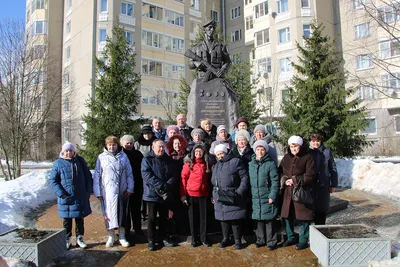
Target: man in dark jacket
[[326, 176], [158, 130], [159, 179], [184, 129]]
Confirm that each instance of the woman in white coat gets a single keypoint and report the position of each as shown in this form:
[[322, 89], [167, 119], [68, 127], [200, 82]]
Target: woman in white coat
[[112, 185]]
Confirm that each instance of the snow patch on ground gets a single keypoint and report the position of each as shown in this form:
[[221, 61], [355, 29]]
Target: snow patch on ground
[[23, 195], [377, 178]]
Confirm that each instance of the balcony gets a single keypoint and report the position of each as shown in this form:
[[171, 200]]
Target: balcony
[[194, 12], [103, 16], [101, 46], [284, 46], [282, 16], [306, 12], [129, 20]]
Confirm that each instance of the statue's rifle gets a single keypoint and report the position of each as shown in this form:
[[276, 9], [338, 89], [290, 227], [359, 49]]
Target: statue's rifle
[[210, 69]]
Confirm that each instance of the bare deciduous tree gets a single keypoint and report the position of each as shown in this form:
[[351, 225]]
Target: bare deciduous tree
[[30, 91]]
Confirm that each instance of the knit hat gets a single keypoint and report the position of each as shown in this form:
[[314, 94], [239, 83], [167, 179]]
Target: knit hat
[[206, 159], [242, 133], [295, 140], [221, 127], [220, 148], [68, 146], [172, 127], [197, 131], [147, 129], [259, 127], [241, 119], [127, 138], [260, 143]]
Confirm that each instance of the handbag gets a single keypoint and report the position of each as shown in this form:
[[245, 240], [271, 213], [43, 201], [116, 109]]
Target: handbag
[[302, 194]]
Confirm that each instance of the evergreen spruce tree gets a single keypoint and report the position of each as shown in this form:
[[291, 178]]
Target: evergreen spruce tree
[[115, 96], [318, 100], [181, 106], [239, 76]]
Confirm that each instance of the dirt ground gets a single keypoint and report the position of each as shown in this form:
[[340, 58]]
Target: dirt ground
[[363, 208]]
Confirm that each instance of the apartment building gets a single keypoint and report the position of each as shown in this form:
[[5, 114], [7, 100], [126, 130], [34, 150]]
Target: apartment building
[[44, 31], [370, 50], [272, 29]]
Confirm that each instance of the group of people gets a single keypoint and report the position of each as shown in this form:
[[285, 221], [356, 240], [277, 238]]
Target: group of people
[[179, 171]]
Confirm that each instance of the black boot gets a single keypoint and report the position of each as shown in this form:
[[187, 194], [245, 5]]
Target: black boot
[[224, 243], [238, 244]]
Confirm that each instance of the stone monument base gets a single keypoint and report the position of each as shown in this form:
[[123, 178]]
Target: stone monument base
[[212, 100]]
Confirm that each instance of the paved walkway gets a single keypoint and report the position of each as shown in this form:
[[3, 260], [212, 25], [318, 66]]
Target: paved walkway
[[378, 212]]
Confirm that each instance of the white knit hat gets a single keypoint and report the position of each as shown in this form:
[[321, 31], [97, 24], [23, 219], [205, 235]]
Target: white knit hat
[[68, 146], [220, 148], [260, 143], [295, 140], [242, 133]]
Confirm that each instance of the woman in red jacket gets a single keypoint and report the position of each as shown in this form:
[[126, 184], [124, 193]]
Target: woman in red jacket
[[195, 190]]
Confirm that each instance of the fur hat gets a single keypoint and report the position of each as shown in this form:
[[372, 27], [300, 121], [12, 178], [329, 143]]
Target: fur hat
[[241, 119], [295, 140], [197, 131], [172, 127], [220, 148], [260, 143], [147, 129], [221, 127], [127, 138], [68, 146], [260, 127], [242, 133]]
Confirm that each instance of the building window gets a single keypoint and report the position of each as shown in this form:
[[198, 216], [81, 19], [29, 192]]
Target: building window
[[249, 22], [153, 12], [103, 6], [129, 37], [38, 51], [284, 35], [66, 104], [264, 65], [214, 15], [174, 18], [237, 58], [397, 123], [236, 35], [151, 68], [261, 9], [127, 9], [67, 53], [366, 93], [235, 12], [391, 81], [285, 95], [39, 27], [283, 6], [389, 13], [390, 48], [195, 4], [360, 3], [66, 78], [306, 31], [262, 37], [174, 44], [371, 128], [68, 28], [152, 39], [246, 2], [38, 4], [364, 62], [305, 3], [194, 27], [66, 134], [103, 35], [68, 5], [285, 65], [362, 31]]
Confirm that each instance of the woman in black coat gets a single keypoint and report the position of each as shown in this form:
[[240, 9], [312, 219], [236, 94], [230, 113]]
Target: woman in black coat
[[135, 200], [242, 149], [326, 176], [229, 177]]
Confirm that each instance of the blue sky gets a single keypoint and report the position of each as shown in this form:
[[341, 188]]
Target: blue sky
[[12, 9]]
